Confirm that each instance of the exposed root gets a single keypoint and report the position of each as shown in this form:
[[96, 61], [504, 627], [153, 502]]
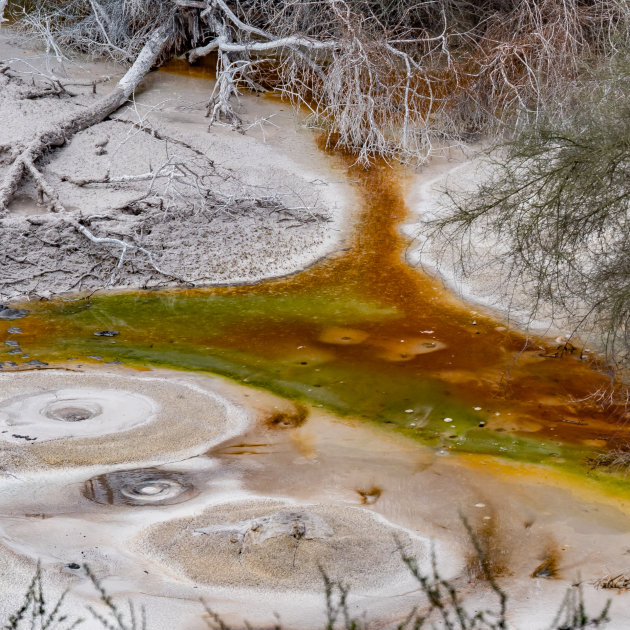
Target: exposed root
[[46, 189]]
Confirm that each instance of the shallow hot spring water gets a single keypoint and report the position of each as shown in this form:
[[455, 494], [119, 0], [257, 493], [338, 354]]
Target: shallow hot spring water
[[370, 388]]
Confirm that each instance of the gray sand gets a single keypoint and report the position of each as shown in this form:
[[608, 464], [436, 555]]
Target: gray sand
[[202, 419], [278, 203], [268, 545]]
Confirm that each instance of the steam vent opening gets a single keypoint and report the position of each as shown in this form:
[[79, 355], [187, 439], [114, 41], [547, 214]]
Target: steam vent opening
[[71, 413], [141, 487], [108, 419], [65, 411]]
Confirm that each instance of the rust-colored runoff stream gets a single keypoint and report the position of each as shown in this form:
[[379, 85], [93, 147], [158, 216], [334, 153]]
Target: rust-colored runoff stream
[[363, 335]]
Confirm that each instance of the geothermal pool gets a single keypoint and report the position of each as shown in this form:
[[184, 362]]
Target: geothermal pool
[[226, 442]]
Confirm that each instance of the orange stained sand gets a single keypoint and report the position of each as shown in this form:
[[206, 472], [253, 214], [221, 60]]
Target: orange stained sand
[[585, 489], [204, 68]]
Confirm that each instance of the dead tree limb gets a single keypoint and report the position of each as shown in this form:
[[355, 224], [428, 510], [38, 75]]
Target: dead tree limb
[[97, 112], [46, 189], [384, 78]]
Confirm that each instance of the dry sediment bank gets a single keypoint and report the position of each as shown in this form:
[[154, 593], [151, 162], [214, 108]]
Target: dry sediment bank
[[277, 206], [485, 281]]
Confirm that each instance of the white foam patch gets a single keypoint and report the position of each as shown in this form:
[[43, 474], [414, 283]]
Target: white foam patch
[[73, 413]]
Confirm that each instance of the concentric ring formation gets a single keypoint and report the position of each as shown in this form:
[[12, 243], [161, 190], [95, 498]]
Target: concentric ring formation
[[271, 544], [148, 486], [68, 413]]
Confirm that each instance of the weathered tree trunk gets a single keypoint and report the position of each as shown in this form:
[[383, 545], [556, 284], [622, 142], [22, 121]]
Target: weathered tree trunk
[[97, 112]]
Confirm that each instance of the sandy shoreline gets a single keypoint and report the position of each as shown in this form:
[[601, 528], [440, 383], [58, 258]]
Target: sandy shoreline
[[485, 284]]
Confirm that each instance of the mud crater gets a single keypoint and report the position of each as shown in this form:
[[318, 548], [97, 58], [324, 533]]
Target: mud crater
[[149, 486]]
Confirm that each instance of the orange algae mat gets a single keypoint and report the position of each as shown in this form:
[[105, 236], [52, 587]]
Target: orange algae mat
[[361, 334]]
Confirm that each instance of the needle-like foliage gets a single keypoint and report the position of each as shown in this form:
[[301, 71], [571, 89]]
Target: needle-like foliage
[[557, 199]]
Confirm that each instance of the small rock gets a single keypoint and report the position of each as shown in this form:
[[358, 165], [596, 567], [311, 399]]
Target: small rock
[[73, 565], [106, 333], [15, 351], [14, 330], [28, 438], [11, 313], [115, 362], [36, 220], [8, 364], [36, 363], [96, 357], [12, 343]]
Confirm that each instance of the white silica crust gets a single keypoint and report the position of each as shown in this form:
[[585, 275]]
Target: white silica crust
[[62, 419], [77, 412]]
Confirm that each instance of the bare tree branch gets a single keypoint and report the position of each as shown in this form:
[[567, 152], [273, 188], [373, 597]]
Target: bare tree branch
[[384, 77], [97, 112]]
